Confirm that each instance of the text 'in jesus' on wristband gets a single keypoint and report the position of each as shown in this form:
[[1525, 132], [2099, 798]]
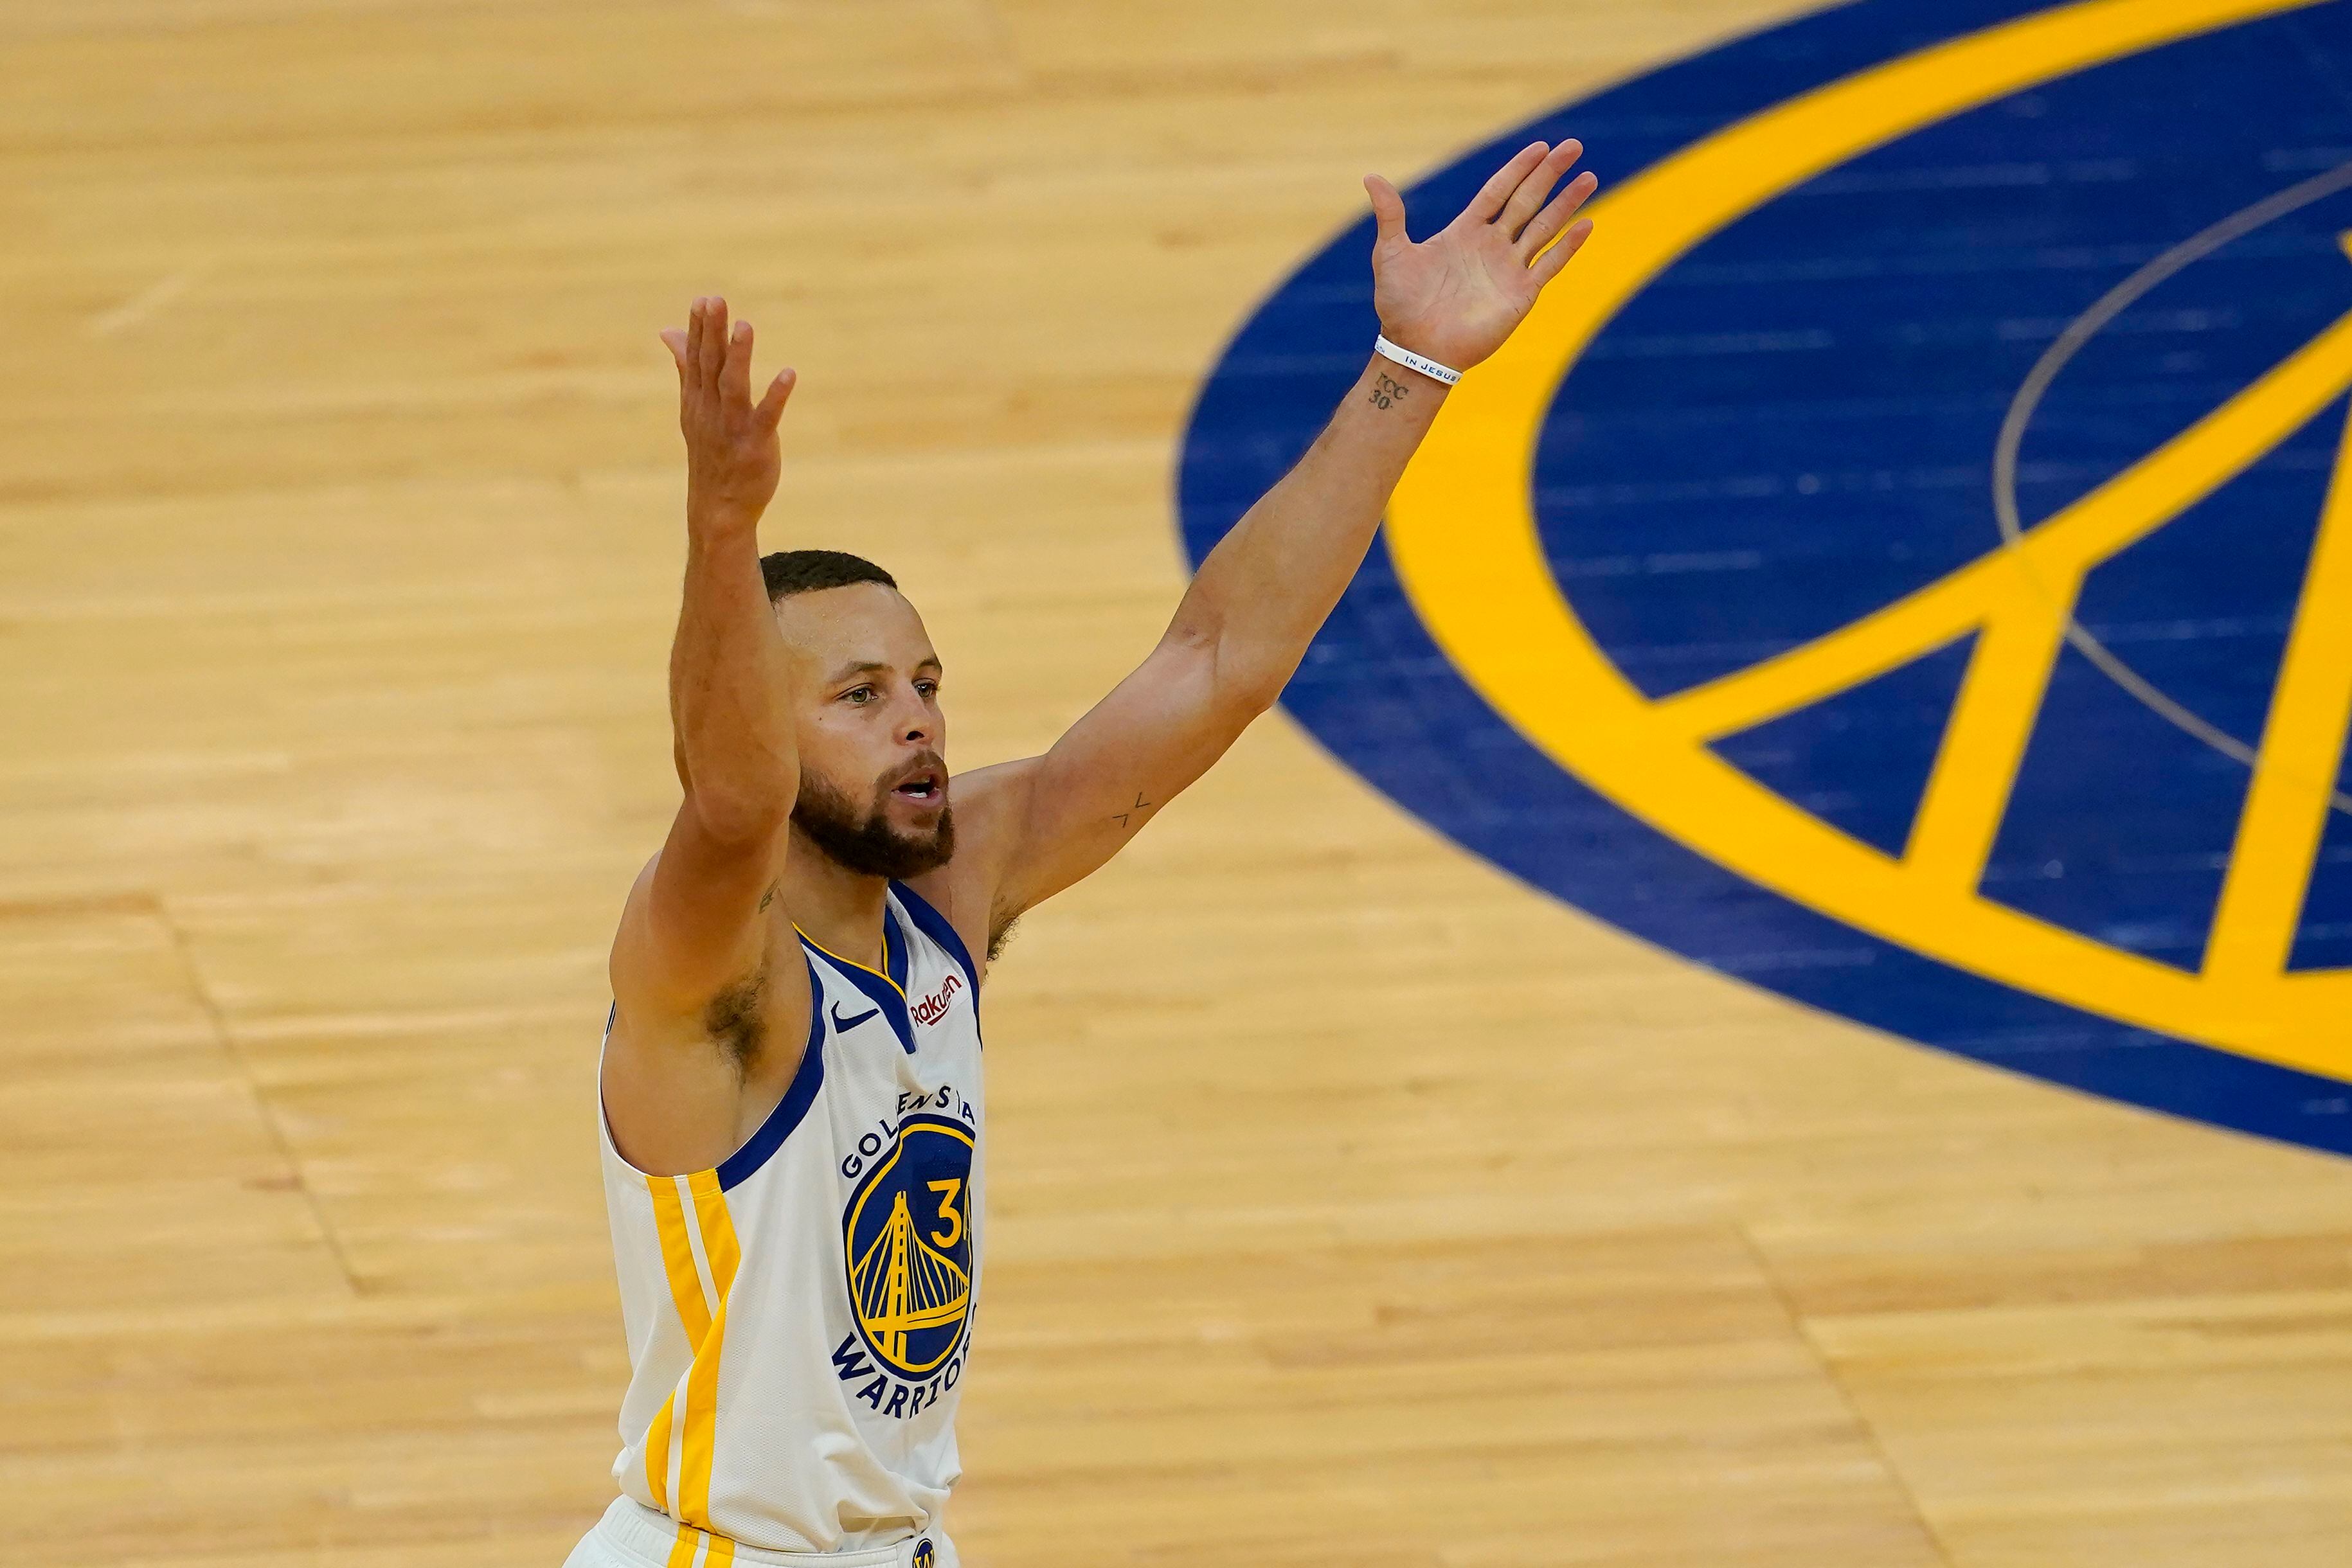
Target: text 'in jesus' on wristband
[[1413, 361]]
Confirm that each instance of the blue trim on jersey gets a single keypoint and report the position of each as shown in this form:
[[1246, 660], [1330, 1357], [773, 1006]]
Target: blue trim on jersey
[[894, 949], [934, 925], [798, 1095], [878, 989]]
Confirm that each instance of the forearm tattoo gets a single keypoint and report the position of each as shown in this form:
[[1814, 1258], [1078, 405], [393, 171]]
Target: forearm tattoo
[[1387, 391]]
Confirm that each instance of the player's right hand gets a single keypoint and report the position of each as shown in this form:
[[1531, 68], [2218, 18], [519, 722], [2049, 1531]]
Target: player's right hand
[[732, 458]]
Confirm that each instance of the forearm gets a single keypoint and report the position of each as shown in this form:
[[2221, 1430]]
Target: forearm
[[1262, 594], [1269, 584], [728, 685]]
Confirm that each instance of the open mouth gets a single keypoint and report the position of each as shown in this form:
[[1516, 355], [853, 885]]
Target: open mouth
[[925, 788]]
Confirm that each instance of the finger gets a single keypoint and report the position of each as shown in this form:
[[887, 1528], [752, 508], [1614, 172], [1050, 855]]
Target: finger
[[1548, 264], [1555, 217], [1536, 186], [714, 342], [780, 393], [1388, 212], [704, 349], [735, 370], [1496, 190], [699, 350], [674, 340], [693, 368]]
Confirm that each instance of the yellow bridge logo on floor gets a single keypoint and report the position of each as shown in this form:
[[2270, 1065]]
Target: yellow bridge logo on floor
[[1693, 612], [1464, 541]]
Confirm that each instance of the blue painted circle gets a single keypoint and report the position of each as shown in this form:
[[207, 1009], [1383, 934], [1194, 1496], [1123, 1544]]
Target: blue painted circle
[[1794, 425]]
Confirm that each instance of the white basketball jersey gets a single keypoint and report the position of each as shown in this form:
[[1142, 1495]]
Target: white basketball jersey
[[798, 1318]]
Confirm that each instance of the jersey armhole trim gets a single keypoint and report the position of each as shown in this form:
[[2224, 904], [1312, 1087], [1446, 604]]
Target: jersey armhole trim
[[798, 1095], [934, 925]]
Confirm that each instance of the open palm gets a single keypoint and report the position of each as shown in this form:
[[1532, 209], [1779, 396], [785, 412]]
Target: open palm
[[1458, 293]]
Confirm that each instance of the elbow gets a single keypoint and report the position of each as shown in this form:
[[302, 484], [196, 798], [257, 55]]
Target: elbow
[[1248, 676], [1244, 693], [1249, 704]]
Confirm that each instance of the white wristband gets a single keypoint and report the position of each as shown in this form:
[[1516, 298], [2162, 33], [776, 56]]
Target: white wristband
[[1413, 361]]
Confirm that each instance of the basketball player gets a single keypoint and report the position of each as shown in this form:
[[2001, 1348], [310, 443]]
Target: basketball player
[[792, 1114]]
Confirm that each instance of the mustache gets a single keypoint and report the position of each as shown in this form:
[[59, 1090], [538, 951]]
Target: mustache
[[925, 761]]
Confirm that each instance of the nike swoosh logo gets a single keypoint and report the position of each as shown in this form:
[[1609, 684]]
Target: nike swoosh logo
[[840, 1023]]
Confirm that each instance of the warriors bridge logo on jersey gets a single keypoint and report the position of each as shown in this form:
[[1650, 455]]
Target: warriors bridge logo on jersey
[[909, 1257], [1906, 562]]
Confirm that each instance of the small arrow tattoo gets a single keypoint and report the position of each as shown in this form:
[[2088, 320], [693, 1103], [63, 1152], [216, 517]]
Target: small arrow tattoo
[[1140, 805]]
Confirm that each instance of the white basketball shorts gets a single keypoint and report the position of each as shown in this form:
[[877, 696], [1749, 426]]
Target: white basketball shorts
[[633, 1536]]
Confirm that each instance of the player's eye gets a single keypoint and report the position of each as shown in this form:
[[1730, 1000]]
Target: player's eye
[[861, 695], [928, 688]]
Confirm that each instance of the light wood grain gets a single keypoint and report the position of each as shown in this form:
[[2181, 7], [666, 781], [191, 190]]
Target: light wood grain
[[1351, 1203]]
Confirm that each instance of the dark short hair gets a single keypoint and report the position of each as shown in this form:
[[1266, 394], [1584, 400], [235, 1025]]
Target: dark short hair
[[791, 572]]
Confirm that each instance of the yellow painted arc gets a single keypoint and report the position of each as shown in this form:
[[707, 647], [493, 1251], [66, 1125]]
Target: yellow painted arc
[[1464, 537]]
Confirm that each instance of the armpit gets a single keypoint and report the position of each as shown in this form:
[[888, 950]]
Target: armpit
[[736, 1019], [1000, 932]]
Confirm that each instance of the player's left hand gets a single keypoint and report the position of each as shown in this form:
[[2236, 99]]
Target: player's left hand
[[1458, 295]]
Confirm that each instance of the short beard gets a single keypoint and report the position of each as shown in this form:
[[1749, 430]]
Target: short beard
[[868, 845]]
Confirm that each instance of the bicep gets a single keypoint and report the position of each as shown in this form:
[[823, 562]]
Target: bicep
[[1113, 771], [692, 926]]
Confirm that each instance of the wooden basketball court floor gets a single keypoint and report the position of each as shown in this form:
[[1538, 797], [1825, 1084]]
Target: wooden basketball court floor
[[1351, 1202]]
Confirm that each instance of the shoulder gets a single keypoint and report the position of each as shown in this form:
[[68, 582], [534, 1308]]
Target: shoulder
[[991, 805], [687, 1074]]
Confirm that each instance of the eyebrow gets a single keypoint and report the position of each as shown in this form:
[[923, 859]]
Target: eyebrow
[[875, 667]]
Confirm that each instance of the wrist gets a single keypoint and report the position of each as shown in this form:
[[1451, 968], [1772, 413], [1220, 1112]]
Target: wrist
[[1386, 385], [1427, 366], [719, 517]]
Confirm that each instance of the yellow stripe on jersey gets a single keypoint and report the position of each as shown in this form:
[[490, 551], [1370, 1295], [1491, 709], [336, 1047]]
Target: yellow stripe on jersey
[[696, 1452], [717, 1230], [678, 1260], [705, 1323], [657, 1454], [720, 1248]]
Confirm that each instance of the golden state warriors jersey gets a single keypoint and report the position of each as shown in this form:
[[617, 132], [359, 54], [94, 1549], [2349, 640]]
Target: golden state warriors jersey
[[798, 1318]]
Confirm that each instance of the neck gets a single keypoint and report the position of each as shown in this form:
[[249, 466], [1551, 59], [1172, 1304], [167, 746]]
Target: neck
[[841, 910]]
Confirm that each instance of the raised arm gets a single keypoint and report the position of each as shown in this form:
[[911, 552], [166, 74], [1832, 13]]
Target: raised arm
[[689, 930], [1258, 599]]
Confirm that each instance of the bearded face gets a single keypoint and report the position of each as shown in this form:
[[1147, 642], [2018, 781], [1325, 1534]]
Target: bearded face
[[862, 837], [869, 732]]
